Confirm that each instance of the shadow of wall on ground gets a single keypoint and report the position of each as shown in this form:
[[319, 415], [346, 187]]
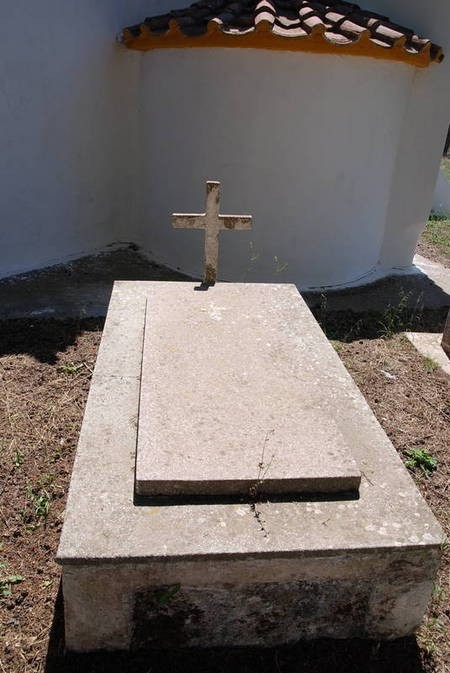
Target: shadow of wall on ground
[[82, 289], [43, 339], [415, 293], [44, 311], [348, 326], [78, 289]]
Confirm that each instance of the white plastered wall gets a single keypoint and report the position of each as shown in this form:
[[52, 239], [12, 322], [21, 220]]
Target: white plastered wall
[[76, 159], [306, 143], [68, 134], [381, 241], [441, 199], [424, 131]]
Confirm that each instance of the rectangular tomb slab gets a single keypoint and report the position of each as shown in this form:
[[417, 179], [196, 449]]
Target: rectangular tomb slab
[[220, 573], [233, 400]]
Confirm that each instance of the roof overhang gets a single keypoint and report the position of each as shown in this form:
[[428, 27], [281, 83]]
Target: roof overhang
[[340, 28]]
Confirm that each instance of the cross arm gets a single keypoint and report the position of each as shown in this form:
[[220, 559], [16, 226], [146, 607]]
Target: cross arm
[[235, 221], [188, 221]]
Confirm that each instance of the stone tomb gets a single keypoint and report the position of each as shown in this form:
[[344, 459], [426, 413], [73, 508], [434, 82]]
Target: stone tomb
[[265, 503], [231, 398]]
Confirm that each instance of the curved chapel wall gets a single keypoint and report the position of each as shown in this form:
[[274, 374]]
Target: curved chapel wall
[[423, 135], [306, 143], [68, 117], [72, 149]]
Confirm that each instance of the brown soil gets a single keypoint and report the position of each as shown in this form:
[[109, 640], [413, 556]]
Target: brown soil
[[45, 369], [431, 252]]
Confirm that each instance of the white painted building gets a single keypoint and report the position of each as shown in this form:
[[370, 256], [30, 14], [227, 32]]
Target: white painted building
[[335, 155]]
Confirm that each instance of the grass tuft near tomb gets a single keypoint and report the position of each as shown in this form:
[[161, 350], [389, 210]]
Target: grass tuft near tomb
[[422, 459]]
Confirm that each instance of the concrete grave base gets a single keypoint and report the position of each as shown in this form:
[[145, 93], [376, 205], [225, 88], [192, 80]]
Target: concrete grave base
[[251, 602], [235, 573]]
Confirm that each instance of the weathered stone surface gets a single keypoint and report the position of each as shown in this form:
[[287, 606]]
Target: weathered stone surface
[[431, 345], [253, 602], [115, 554], [212, 222], [233, 400]]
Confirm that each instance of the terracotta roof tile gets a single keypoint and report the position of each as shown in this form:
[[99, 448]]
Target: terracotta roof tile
[[303, 25]]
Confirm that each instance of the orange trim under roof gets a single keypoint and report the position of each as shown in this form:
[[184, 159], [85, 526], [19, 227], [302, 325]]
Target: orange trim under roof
[[334, 26]]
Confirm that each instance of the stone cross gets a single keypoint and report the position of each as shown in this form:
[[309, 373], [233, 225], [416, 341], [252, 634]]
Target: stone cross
[[212, 223]]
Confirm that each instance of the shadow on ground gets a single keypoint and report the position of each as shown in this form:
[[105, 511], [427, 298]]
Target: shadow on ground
[[79, 289], [82, 288], [415, 292], [41, 313], [43, 339], [348, 326], [317, 656]]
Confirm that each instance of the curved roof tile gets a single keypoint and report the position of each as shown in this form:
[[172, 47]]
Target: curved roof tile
[[294, 25]]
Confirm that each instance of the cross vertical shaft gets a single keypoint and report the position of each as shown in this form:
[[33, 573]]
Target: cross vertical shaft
[[211, 254], [212, 222]]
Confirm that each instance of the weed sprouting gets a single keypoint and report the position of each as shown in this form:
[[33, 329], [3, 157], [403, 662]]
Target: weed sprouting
[[18, 458], [432, 630], [279, 266], [393, 320], [430, 364], [7, 580], [422, 459], [41, 504], [439, 593], [71, 368], [38, 509]]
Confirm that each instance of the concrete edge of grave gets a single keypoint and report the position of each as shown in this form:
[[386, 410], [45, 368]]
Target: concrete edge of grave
[[102, 523], [296, 555], [428, 344]]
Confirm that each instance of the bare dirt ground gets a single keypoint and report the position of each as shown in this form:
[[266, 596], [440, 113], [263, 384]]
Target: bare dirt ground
[[45, 371], [428, 250]]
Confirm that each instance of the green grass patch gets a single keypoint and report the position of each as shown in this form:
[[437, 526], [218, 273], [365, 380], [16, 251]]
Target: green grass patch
[[445, 166], [7, 580], [437, 232], [422, 459]]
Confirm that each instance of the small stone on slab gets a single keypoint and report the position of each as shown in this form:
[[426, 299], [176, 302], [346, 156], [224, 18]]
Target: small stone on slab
[[234, 400]]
